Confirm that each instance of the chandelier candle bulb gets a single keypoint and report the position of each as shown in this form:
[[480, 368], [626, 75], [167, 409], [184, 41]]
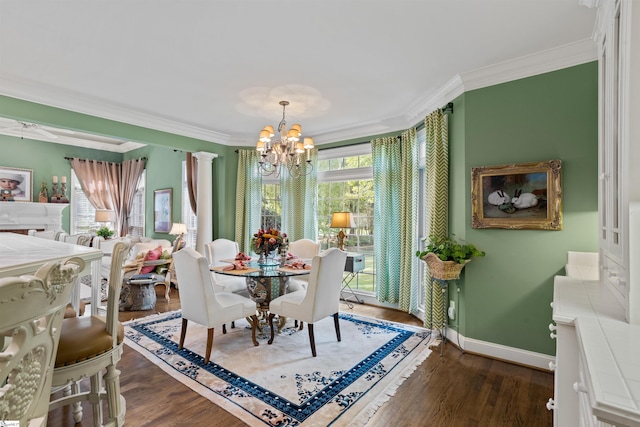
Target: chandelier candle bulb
[[55, 180], [63, 179]]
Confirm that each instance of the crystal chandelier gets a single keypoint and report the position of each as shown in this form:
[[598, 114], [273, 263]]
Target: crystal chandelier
[[286, 151]]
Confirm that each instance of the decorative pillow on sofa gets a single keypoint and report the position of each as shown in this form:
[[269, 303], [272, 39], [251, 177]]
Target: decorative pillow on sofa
[[152, 255]]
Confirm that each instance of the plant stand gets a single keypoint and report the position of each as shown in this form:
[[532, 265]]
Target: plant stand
[[442, 272], [442, 328]]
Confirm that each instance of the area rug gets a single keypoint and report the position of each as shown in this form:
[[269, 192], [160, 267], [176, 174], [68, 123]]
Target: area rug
[[282, 384]]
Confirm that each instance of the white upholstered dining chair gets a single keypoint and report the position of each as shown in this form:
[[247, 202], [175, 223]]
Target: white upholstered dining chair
[[304, 249], [215, 252], [28, 355], [319, 300], [203, 304], [89, 345]]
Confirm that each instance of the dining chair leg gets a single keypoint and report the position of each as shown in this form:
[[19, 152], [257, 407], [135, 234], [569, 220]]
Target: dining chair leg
[[112, 387], [96, 385], [233, 324], [207, 355], [254, 326], [312, 340], [337, 325], [271, 315], [301, 326], [183, 333], [224, 328]]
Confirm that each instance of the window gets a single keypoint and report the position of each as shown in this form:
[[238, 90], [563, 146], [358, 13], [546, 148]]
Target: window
[[136, 216], [345, 183], [421, 136], [83, 213], [271, 204], [189, 219]]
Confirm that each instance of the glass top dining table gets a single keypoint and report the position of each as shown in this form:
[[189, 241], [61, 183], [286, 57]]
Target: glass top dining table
[[260, 279], [264, 283]]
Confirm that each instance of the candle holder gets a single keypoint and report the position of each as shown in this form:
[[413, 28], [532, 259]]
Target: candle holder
[[57, 197]]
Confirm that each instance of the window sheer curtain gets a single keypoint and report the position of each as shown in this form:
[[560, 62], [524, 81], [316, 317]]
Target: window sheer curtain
[[437, 204], [395, 183], [248, 198], [110, 186], [300, 202]]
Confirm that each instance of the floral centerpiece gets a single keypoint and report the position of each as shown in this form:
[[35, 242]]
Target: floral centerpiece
[[266, 241]]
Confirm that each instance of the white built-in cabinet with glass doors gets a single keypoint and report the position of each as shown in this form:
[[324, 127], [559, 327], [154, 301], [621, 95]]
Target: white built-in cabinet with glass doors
[[618, 153]]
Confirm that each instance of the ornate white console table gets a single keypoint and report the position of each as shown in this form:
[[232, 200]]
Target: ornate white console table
[[21, 254]]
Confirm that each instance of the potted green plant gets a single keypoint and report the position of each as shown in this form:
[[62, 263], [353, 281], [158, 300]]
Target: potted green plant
[[105, 232], [446, 257]]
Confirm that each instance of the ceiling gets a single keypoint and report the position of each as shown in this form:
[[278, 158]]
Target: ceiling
[[216, 69]]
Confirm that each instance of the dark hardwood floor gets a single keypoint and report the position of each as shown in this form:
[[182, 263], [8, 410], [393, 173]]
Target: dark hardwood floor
[[457, 389]]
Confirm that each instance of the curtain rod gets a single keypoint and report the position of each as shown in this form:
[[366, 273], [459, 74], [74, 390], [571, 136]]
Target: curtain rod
[[100, 161], [449, 107]]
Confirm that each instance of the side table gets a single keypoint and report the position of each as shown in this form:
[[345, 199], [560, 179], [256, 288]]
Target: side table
[[353, 266], [139, 294]]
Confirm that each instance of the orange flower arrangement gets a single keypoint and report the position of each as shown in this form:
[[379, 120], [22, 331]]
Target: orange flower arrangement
[[266, 241]]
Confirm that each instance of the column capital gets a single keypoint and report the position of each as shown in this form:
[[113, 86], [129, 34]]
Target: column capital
[[204, 156]]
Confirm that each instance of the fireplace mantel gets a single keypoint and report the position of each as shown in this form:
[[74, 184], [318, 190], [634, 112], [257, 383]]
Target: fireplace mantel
[[29, 215]]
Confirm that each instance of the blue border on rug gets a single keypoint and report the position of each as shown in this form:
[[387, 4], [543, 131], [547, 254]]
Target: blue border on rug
[[310, 406]]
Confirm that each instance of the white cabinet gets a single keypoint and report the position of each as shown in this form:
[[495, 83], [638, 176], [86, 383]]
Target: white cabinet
[[609, 372], [575, 298], [617, 34]]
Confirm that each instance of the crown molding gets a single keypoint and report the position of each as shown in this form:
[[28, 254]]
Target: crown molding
[[546, 61], [447, 93], [554, 59], [69, 100]]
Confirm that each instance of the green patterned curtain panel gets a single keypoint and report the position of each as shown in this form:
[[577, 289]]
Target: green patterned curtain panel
[[300, 202], [437, 205], [395, 183], [248, 198]]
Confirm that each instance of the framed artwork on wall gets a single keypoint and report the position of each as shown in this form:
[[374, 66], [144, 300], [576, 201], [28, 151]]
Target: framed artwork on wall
[[162, 202], [517, 196], [15, 184]]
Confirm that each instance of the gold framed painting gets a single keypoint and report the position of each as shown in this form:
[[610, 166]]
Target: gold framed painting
[[517, 196]]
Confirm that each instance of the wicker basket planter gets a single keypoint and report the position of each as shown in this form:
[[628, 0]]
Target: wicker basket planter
[[443, 270]]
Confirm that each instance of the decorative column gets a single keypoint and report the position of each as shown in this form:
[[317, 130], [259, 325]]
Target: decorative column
[[204, 199]]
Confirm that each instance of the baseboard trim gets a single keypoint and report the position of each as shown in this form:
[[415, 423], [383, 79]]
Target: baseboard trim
[[501, 352], [491, 350]]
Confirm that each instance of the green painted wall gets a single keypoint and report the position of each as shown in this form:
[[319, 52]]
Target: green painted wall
[[505, 296]]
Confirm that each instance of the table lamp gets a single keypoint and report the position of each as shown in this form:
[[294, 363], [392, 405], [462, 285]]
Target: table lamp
[[341, 220], [105, 216], [178, 229]]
